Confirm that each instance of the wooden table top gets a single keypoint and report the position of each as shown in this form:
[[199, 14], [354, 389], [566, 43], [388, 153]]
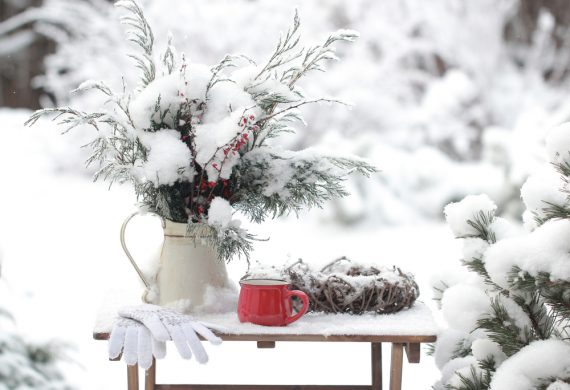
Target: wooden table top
[[414, 325]]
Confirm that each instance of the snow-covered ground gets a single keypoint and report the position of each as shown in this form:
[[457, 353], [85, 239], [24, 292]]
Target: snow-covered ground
[[59, 235]]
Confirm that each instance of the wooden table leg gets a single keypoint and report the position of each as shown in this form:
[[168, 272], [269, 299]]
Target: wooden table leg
[[376, 366], [133, 377], [396, 366], [150, 376]]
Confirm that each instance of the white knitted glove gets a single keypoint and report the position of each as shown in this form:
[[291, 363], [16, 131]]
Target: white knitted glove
[[136, 343], [167, 324]]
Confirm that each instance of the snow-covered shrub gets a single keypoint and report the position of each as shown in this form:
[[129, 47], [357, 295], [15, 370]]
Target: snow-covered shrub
[[25, 365], [509, 324], [198, 142]]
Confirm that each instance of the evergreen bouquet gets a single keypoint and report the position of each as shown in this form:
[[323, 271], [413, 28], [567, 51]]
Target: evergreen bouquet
[[197, 142]]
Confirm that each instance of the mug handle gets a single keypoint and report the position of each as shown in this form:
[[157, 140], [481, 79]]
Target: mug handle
[[303, 297], [126, 250]]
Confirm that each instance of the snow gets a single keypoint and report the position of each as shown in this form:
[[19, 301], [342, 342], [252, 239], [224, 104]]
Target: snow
[[167, 89], [281, 172], [483, 349], [448, 371], [463, 305], [447, 343], [558, 385], [546, 249], [338, 270], [196, 77], [224, 98], [466, 372], [504, 228], [219, 300], [515, 312], [220, 212], [210, 141], [558, 143], [474, 248], [168, 160], [418, 320], [522, 370], [457, 214], [543, 186]]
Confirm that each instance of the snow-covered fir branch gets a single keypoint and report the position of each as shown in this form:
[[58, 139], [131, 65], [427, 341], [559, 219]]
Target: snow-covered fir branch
[[518, 294], [191, 135]]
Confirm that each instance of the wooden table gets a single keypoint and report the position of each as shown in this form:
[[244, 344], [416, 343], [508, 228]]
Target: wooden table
[[405, 331], [408, 343]]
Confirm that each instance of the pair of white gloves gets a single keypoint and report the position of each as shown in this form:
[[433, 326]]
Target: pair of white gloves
[[141, 332]]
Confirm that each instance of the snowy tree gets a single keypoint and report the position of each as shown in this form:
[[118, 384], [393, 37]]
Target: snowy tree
[[512, 310], [26, 365]]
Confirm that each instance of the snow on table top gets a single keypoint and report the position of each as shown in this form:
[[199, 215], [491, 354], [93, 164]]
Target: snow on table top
[[416, 321]]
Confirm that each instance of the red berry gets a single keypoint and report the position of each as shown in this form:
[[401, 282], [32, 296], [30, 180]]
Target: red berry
[[212, 184]]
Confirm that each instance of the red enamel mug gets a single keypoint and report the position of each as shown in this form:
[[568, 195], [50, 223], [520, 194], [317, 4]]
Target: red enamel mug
[[268, 302]]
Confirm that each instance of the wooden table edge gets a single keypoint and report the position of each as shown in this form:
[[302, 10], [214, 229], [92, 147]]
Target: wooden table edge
[[314, 337]]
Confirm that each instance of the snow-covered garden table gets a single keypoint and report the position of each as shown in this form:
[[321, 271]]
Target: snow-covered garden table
[[405, 330]]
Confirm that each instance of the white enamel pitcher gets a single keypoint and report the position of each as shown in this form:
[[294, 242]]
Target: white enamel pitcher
[[187, 267]]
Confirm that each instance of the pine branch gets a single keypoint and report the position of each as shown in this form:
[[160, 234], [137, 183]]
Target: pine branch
[[316, 55], [478, 266], [67, 116], [285, 52], [543, 325], [552, 211], [142, 36], [475, 381], [501, 329], [229, 241], [168, 59], [545, 383], [556, 294], [462, 349], [481, 222], [310, 183]]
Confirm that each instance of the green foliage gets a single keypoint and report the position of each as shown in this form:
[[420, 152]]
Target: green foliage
[[502, 329], [478, 266], [308, 181], [556, 296], [476, 380], [29, 365], [481, 222]]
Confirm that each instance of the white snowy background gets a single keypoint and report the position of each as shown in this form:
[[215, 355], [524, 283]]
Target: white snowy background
[[442, 105]]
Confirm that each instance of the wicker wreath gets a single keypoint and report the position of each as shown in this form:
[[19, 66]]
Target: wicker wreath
[[346, 287]]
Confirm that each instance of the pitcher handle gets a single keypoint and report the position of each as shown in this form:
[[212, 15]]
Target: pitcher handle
[[124, 245]]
